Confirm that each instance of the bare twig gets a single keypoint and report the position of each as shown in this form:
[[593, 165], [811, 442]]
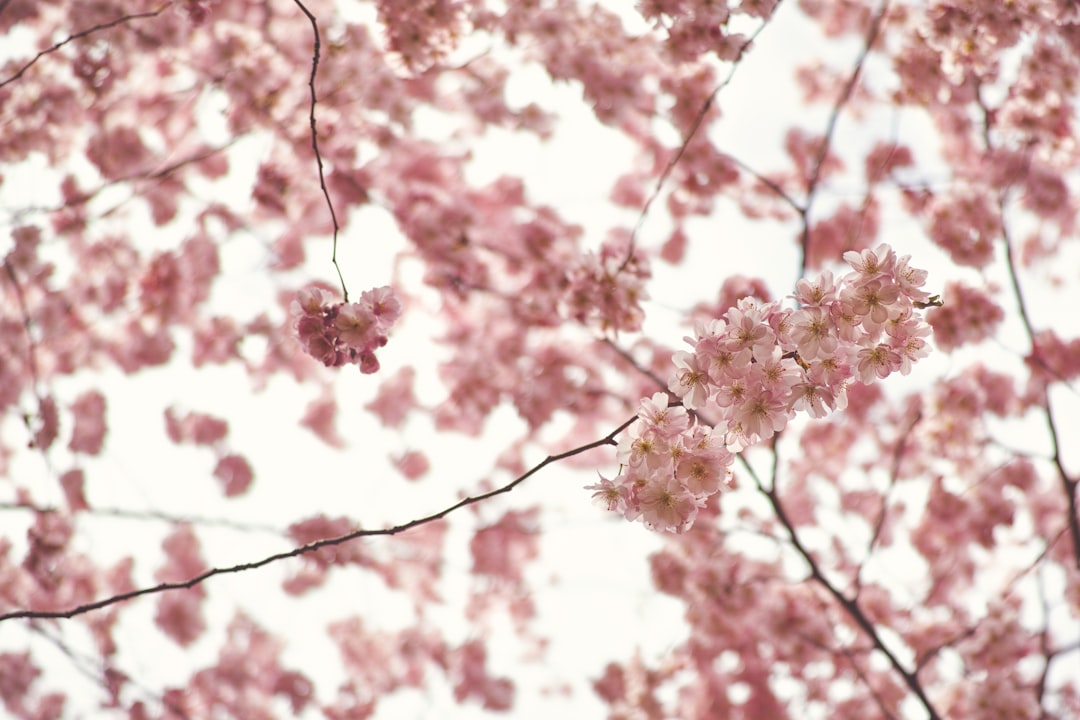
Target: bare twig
[[691, 133], [315, 141], [88, 667], [894, 474], [153, 516], [1068, 484], [80, 35], [608, 439], [31, 350], [851, 606], [830, 128], [625, 355], [159, 173]]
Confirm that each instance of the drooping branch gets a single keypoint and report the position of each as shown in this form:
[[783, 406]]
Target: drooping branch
[[608, 439], [316, 49]]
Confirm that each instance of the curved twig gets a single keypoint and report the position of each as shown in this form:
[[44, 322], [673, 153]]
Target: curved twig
[[608, 439], [317, 47]]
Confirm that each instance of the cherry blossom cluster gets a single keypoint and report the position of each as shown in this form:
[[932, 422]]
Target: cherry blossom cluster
[[337, 333], [670, 466], [754, 369]]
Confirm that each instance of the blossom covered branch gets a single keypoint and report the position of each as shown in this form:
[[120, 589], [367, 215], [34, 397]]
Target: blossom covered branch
[[755, 369]]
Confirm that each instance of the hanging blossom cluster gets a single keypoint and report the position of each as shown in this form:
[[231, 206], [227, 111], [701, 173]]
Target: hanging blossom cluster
[[753, 370], [338, 333]]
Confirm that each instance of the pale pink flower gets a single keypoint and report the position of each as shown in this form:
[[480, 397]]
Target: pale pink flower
[[748, 331], [910, 280], [878, 361], [812, 331], [640, 444], [703, 473], [690, 381], [309, 301], [831, 370], [778, 373], [732, 393], [816, 400], [761, 415], [871, 264], [911, 346], [725, 364], [667, 505], [873, 300], [611, 496], [356, 325], [818, 292], [383, 304], [665, 421]]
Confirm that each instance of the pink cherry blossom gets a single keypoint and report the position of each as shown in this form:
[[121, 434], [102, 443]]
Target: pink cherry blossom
[[216, 209]]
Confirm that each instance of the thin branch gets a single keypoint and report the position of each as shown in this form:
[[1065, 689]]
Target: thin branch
[[315, 141], [160, 173], [851, 606], [770, 184], [894, 474], [80, 35], [31, 349], [87, 667], [694, 127], [608, 439], [830, 128], [1068, 484], [154, 516], [625, 355]]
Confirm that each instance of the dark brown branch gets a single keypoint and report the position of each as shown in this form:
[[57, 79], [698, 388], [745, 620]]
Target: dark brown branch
[[608, 439], [315, 141], [851, 606], [80, 35]]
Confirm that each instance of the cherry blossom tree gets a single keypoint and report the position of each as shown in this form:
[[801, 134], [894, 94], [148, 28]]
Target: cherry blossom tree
[[814, 336]]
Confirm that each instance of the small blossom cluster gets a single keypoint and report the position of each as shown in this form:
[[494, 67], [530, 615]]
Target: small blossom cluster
[[605, 289], [669, 466], [754, 369], [339, 333]]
